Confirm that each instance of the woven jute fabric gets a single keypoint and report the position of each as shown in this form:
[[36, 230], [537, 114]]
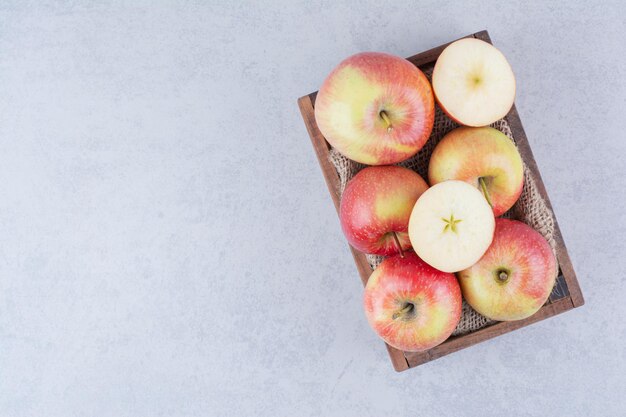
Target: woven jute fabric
[[531, 208]]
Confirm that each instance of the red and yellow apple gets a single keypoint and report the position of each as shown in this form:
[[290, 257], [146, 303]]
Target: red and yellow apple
[[375, 108], [515, 276], [473, 82], [483, 157], [376, 206], [451, 226], [411, 305]]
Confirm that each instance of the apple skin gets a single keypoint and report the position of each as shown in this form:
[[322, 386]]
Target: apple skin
[[470, 153], [400, 282], [378, 202], [349, 104], [529, 270]]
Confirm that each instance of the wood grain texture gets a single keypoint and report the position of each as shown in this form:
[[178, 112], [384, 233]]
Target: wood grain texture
[[572, 294], [321, 148], [429, 57], [457, 343]]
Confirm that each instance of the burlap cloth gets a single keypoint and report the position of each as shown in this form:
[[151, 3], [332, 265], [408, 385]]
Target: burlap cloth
[[530, 208]]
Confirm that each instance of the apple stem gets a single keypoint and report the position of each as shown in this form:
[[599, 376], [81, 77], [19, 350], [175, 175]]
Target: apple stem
[[398, 245], [405, 310], [483, 186], [383, 115], [503, 276]]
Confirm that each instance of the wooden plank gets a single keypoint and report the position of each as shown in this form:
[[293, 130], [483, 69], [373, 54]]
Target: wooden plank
[[573, 286], [560, 289], [483, 35], [457, 343], [321, 149], [430, 56]]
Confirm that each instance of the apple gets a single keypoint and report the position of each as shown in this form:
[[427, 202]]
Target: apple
[[473, 82], [376, 206], [483, 157], [376, 108], [515, 276], [411, 305], [451, 226]]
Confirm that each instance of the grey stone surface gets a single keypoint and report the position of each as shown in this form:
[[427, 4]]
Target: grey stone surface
[[168, 246]]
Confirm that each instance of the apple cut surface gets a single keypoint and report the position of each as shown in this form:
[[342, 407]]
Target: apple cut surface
[[515, 277], [483, 157], [376, 108], [411, 305], [473, 82], [451, 226]]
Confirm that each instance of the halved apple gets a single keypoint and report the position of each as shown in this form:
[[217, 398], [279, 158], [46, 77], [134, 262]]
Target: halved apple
[[473, 82], [451, 226]]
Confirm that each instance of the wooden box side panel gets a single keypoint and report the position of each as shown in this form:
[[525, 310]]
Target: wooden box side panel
[[454, 344]]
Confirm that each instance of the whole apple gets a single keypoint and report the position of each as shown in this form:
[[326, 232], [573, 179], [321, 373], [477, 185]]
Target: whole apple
[[376, 108], [451, 226], [483, 157], [410, 304], [473, 82], [376, 206], [515, 276]]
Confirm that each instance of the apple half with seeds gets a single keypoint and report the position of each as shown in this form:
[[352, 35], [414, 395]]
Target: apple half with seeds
[[451, 226]]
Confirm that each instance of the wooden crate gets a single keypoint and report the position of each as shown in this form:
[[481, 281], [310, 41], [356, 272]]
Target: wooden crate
[[566, 294]]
